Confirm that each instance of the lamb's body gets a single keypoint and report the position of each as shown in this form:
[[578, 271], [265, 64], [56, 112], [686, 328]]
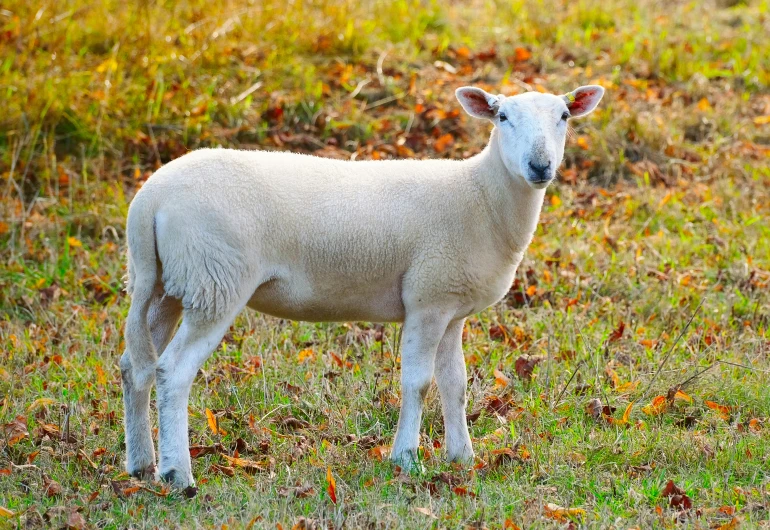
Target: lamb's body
[[423, 242], [326, 240]]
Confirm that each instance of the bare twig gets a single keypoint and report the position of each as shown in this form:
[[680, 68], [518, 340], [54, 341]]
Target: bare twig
[[671, 349]]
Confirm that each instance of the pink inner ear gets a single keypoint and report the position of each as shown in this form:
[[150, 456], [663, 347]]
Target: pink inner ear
[[582, 101], [478, 103]]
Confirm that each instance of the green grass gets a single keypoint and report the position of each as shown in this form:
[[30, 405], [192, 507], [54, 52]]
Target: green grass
[[662, 206]]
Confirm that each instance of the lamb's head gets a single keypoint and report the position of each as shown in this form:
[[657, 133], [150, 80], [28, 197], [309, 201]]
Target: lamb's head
[[532, 127]]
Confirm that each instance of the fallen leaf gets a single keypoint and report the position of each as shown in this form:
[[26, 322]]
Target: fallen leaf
[[462, 491], [40, 402], [331, 487], [626, 388], [724, 411], [304, 355], [425, 511], [75, 521], [525, 365], [51, 487], [554, 511], [443, 142], [501, 379], [16, 430], [379, 452], [731, 525], [225, 470], [755, 426], [250, 466], [213, 424], [677, 498], [617, 333], [521, 54], [659, 405], [5, 512], [762, 120], [197, 451], [510, 525]]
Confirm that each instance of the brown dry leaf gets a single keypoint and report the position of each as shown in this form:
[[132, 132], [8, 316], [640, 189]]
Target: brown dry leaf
[[16, 430], [617, 333], [677, 498], [657, 406], [723, 410], [556, 512], [594, 408], [51, 487], [462, 491], [614, 379], [331, 485], [75, 521], [525, 365], [197, 451], [225, 470], [250, 466]]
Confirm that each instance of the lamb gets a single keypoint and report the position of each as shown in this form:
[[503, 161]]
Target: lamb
[[426, 243]]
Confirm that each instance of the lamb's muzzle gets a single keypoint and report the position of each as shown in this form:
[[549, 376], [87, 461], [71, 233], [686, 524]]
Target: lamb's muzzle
[[426, 243]]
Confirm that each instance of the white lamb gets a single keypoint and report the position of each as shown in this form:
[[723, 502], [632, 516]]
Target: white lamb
[[426, 243]]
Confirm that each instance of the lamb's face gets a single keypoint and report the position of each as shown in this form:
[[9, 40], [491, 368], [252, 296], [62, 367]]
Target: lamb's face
[[532, 127]]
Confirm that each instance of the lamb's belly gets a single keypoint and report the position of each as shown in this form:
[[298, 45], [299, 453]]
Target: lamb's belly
[[299, 299]]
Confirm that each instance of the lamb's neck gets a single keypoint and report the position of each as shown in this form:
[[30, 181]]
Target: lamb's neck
[[512, 205]]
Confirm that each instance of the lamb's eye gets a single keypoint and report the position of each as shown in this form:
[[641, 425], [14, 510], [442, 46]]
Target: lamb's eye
[[565, 116], [503, 117]]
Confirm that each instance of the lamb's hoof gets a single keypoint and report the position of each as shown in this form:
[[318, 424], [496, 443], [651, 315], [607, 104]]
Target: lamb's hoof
[[408, 461], [144, 473], [180, 480]]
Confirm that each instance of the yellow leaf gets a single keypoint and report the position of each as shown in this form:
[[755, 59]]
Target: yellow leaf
[[74, 242], [110, 64], [40, 402], [101, 377], [213, 424], [682, 396], [657, 406], [627, 387], [558, 513], [5, 512], [304, 355], [762, 120], [582, 142]]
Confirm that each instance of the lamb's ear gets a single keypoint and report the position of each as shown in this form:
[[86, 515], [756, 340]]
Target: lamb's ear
[[583, 100], [478, 103]]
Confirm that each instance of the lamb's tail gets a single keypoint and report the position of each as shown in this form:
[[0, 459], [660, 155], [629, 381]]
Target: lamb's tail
[[143, 278]]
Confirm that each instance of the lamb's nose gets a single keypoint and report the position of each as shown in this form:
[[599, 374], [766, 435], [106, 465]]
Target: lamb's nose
[[539, 170]]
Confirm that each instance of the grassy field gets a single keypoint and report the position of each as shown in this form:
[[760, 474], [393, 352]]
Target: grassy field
[[632, 350]]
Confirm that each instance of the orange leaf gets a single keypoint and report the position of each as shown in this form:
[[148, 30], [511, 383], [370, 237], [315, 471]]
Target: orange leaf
[[682, 396], [212, 421], [734, 522], [331, 487], [5, 512], [627, 387], [762, 120], [613, 376], [443, 142], [560, 514], [250, 466], [704, 104], [379, 452], [658, 406], [304, 355], [501, 379], [724, 411], [521, 54], [754, 425], [510, 525]]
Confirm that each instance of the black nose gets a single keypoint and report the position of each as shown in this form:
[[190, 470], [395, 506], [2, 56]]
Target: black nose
[[540, 171]]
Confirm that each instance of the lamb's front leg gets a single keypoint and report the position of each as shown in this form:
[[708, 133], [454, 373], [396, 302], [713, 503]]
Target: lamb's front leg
[[421, 335], [452, 380]]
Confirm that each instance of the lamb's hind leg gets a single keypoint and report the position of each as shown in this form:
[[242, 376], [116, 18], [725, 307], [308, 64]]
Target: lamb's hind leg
[[188, 350], [161, 317]]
